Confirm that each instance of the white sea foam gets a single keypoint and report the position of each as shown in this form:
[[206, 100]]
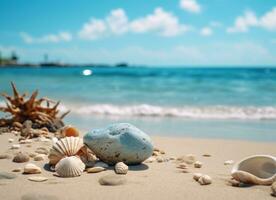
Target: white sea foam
[[204, 112], [189, 112]]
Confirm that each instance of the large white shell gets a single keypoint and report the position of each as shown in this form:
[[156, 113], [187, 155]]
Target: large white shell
[[70, 167], [68, 146], [256, 169], [121, 168]]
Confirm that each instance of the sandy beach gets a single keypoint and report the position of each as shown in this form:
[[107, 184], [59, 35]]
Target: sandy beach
[[147, 181]]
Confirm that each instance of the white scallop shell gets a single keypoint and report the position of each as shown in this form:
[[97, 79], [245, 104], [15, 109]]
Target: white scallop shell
[[256, 169], [68, 146], [70, 167], [121, 168]]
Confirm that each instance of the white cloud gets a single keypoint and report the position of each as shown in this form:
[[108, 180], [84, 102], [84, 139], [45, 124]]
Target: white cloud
[[93, 29], [190, 5], [243, 23], [206, 31], [117, 23], [249, 19], [159, 21], [268, 20], [50, 38]]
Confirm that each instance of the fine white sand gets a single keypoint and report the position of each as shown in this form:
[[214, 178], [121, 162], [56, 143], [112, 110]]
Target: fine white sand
[[147, 181]]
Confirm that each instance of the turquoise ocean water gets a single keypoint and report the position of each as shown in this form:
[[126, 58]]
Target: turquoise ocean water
[[234, 103]]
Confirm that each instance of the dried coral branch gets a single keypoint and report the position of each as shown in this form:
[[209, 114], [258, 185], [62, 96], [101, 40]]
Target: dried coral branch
[[21, 109]]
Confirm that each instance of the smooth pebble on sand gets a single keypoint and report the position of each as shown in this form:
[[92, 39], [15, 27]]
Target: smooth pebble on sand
[[198, 164], [37, 178], [205, 180], [112, 180], [95, 169], [7, 175]]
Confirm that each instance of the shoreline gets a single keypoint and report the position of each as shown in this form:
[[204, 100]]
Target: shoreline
[[149, 181]]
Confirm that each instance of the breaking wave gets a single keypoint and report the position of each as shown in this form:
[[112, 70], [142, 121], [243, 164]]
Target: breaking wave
[[204, 112]]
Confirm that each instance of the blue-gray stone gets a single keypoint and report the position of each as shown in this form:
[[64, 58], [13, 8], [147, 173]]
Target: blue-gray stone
[[121, 142]]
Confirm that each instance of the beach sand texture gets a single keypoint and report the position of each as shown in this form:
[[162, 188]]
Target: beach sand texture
[[147, 181]]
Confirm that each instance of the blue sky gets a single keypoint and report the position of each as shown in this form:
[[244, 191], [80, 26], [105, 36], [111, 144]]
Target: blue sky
[[150, 32]]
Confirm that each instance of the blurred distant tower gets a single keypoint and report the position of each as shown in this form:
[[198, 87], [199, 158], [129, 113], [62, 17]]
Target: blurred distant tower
[[14, 57]]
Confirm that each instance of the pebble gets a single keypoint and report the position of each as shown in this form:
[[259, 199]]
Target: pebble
[[38, 178], [5, 156], [205, 180], [32, 155], [15, 146], [16, 170], [206, 155], [38, 196], [112, 180], [95, 169], [11, 140], [31, 169], [228, 162], [182, 166], [101, 164], [196, 176], [7, 175], [198, 164]]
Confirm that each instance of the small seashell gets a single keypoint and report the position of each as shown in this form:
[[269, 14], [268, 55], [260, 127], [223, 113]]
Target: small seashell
[[21, 157], [150, 160], [196, 176], [155, 153], [273, 189], [205, 180], [101, 164], [5, 156], [16, 170], [11, 140], [31, 168], [156, 149], [162, 152], [68, 131], [39, 157], [189, 159], [256, 169], [70, 167], [228, 162], [198, 164], [172, 158], [95, 169], [15, 146], [121, 168], [182, 166], [37, 178], [68, 146]]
